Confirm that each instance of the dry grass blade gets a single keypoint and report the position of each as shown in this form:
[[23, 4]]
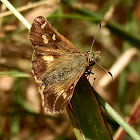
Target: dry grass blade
[[29, 6], [118, 67]]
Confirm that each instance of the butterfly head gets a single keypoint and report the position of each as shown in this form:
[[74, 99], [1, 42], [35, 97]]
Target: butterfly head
[[93, 57]]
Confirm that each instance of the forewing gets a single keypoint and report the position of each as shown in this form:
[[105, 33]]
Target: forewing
[[48, 45], [46, 39]]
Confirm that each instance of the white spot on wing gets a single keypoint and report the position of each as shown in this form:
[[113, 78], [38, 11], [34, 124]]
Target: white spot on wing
[[71, 87], [69, 98], [48, 57], [43, 25], [54, 37], [64, 95], [45, 39]]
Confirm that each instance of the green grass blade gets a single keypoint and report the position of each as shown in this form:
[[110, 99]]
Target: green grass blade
[[13, 74], [16, 13], [130, 130], [86, 114]]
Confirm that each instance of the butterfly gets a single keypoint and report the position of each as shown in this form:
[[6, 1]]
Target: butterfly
[[57, 65]]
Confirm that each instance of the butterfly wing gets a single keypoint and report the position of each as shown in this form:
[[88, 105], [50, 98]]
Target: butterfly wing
[[44, 35], [57, 65], [60, 82]]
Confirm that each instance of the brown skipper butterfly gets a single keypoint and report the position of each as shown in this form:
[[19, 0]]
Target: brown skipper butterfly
[[57, 65]]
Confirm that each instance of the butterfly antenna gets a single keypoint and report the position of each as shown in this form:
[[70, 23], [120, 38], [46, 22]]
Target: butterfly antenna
[[94, 40], [104, 69]]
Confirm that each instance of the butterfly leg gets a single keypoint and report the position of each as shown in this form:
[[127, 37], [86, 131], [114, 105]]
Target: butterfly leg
[[88, 73]]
